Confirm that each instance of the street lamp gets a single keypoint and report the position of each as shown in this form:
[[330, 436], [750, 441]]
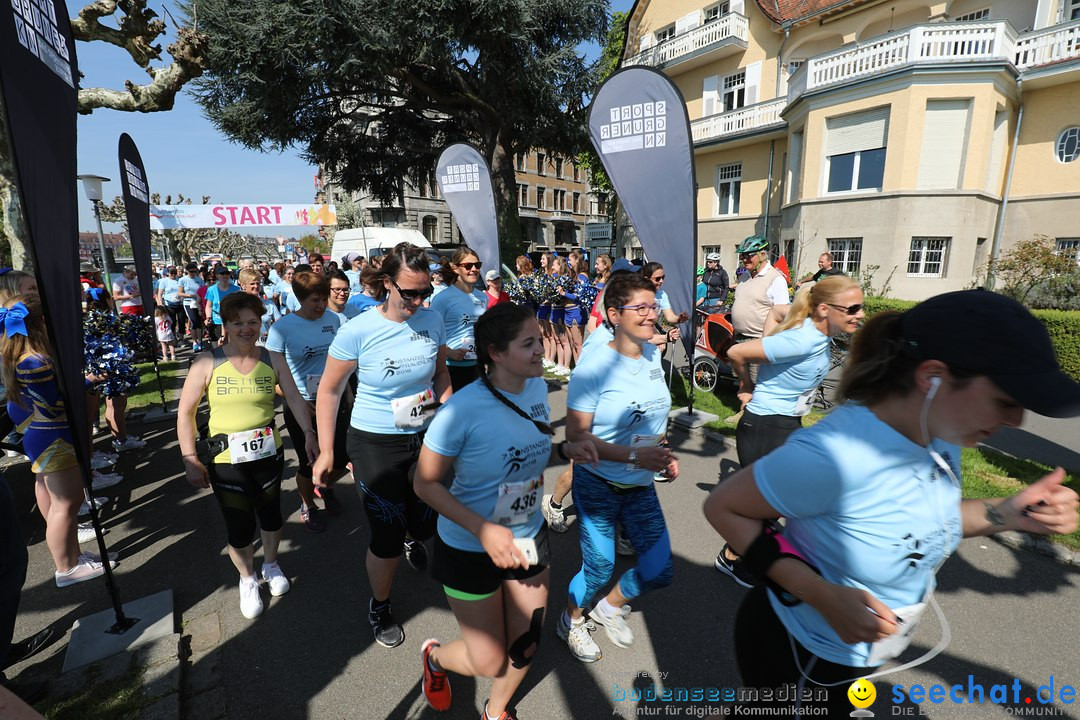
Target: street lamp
[[92, 189]]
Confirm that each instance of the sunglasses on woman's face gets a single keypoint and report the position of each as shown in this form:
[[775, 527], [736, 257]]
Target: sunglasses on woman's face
[[411, 295], [470, 266], [848, 309]]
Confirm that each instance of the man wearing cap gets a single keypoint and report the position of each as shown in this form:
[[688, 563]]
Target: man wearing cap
[[126, 291], [716, 281], [762, 295], [494, 291], [352, 263]]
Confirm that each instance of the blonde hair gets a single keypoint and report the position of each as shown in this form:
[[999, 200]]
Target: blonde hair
[[9, 283], [12, 349], [827, 291], [247, 275], [162, 311]]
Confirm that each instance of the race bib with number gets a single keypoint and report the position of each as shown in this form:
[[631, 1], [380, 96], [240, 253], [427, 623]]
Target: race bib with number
[[804, 402], [252, 445], [412, 411], [468, 344], [890, 647], [311, 384], [517, 501]]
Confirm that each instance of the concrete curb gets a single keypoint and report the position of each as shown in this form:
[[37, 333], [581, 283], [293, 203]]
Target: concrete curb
[[1037, 544]]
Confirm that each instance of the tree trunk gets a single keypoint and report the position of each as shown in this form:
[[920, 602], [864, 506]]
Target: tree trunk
[[13, 237], [504, 185]]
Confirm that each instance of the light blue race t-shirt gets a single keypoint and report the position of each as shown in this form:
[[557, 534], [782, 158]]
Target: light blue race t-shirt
[[191, 285], [868, 508], [355, 285], [362, 302], [214, 296], [602, 335], [170, 291], [662, 300], [348, 312], [393, 361], [460, 311], [304, 343], [271, 315], [292, 303], [629, 402], [798, 362], [284, 291], [498, 454]]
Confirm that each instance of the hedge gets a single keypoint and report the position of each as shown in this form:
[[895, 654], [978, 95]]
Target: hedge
[[1063, 326]]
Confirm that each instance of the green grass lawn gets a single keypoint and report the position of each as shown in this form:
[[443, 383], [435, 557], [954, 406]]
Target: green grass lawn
[[985, 473], [147, 394]]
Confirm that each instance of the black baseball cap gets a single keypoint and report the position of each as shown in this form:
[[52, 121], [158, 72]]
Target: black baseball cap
[[223, 270], [989, 334]]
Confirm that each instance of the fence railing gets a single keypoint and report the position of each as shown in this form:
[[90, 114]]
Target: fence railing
[[730, 26], [1051, 45], [746, 118]]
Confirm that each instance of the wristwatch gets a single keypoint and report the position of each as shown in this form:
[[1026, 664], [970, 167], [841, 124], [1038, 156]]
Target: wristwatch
[[632, 458]]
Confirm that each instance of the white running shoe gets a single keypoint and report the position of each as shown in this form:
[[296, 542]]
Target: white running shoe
[[555, 517], [279, 584], [105, 480], [618, 631], [548, 364], [577, 637], [86, 533], [131, 442], [99, 502], [86, 569], [251, 604]]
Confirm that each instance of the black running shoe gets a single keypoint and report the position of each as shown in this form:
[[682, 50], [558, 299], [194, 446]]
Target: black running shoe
[[387, 631], [415, 554], [735, 569]]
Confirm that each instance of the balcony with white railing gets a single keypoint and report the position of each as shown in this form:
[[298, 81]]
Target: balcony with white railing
[[932, 44], [745, 119], [726, 35], [1055, 44]]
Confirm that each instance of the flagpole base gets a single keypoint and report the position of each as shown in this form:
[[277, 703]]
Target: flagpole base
[[98, 636], [691, 420]]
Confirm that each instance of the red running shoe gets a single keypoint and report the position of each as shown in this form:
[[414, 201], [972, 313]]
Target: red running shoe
[[436, 685]]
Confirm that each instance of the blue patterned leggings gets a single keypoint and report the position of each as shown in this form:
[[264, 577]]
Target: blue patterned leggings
[[599, 508]]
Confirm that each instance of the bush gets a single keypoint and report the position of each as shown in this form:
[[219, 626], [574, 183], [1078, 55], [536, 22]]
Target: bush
[[1062, 325]]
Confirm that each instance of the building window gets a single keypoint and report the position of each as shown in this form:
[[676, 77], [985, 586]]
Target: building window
[[601, 205], [734, 91], [431, 228], [928, 257], [728, 182], [1074, 10], [1068, 145], [523, 195], [558, 198], [706, 249], [577, 173], [846, 253], [974, 16], [665, 33], [863, 170], [541, 164], [717, 11], [558, 167], [1069, 247], [637, 253], [577, 203], [541, 197], [794, 65], [521, 159]]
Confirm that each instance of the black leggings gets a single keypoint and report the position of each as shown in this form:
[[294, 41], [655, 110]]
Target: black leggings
[[765, 659], [248, 490], [195, 318], [179, 319], [758, 435], [382, 468]]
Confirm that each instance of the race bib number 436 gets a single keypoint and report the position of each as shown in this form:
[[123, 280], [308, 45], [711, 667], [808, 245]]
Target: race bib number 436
[[517, 501]]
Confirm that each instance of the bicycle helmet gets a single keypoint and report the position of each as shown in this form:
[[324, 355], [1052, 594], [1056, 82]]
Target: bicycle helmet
[[754, 243], [713, 257]]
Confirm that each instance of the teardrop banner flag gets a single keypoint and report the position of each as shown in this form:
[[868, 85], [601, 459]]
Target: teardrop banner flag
[[38, 75], [136, 192], [639, 127], [465, 182]]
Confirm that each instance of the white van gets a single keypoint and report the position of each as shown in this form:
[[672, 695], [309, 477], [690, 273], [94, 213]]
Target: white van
[[373, 241]]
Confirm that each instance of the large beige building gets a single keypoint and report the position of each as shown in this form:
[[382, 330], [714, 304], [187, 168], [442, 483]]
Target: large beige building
[[906, 135]]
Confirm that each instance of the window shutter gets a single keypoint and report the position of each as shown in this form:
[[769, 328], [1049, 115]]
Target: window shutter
[[737, 7], [688, 22], [944, 131], [858, 131], [645, 42], [710, 95], [997, 152], [753, 82]]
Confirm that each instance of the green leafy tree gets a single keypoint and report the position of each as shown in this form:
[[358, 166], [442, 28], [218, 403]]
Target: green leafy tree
[[1035, 273], [374, 89], [314, 243]]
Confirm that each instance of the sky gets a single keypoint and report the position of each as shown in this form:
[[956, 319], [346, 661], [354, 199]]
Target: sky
[[182, 151]]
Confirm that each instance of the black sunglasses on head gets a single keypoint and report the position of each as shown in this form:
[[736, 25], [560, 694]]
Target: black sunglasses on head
[[410, 295]]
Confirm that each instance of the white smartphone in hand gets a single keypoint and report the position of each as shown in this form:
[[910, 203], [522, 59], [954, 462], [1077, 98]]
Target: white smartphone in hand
[[527, 546]]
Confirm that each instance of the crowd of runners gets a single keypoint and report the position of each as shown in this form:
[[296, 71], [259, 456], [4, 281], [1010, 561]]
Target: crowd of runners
[[424, 378]]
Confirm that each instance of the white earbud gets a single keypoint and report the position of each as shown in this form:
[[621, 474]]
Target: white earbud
[[935, 383]]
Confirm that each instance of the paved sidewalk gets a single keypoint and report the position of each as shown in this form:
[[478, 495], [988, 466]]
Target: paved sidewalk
[[311, 654]]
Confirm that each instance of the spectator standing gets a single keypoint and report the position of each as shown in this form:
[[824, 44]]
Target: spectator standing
[[126, 292], [717, 284]]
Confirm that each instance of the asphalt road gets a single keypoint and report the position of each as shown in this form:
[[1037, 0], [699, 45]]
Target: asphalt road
[[311, 655]]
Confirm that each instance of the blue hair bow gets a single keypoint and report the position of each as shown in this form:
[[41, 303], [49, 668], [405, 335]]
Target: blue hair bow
[[95, 293], [12, 319]]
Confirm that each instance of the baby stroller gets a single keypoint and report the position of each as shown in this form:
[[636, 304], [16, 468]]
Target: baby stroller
[[715, 336]]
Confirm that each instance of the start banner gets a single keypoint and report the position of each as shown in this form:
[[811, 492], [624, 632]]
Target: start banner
[[172, 217]]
